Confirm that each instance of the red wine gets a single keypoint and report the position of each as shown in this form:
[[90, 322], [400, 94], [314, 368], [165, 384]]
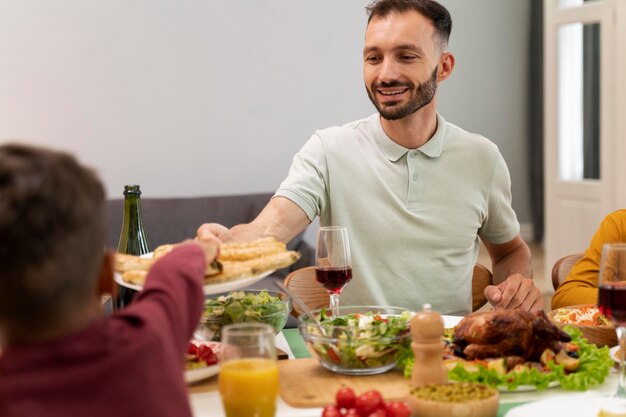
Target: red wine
[[333, 278], [612, 303]]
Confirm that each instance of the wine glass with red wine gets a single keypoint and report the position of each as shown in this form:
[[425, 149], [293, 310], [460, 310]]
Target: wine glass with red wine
[[333, 265], [612, 302]]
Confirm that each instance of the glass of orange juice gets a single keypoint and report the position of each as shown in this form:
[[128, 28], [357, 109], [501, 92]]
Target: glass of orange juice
[[248, 376]]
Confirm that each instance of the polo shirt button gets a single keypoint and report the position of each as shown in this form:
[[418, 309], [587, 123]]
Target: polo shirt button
[[411, 154]]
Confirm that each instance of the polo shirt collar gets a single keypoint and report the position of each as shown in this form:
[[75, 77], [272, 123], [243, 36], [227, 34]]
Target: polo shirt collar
[[393, 151]]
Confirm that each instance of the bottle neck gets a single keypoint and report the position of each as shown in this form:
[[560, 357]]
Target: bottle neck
[[132, 237]]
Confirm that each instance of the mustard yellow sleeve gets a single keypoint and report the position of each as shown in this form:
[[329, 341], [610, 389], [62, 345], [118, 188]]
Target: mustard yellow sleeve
[[581, 284]]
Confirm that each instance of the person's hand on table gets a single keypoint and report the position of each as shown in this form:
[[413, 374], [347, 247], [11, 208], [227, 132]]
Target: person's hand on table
[[515, 292], [214, 230]]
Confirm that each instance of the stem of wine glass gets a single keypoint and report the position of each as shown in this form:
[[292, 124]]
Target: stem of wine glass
[[334, 303], [621, 386]]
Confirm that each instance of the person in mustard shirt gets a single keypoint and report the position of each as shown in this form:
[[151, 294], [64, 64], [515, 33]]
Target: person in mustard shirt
[[581, 284]]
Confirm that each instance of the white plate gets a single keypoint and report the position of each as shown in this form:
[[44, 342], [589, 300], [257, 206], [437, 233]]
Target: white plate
[[526, 388], [582, 405], [198, 374], [215, 288], [613, 352], [451, 321]]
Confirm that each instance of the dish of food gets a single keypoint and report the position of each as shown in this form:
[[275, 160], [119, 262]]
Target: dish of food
[[238, 264], [515, 350], [201, 361], [584, 315], [595, 327], [209, 289], [252, 306], [362, 340], [454, 399]]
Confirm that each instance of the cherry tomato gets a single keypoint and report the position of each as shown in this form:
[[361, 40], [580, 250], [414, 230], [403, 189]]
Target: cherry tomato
[[331, 411], [192, 348], [206, 354], [378, 317], [379, 413], [368, 402], [345, 398], [351, 412], [397, 409]]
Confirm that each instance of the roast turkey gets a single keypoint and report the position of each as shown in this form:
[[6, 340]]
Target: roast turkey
[[498, 333]]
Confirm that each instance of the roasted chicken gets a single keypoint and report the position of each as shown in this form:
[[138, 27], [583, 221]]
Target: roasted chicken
[[507, 333]]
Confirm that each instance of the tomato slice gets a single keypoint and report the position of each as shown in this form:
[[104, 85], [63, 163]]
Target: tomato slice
[[333, 355]]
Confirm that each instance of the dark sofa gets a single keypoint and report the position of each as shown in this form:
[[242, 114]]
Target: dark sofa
[[171, 220]]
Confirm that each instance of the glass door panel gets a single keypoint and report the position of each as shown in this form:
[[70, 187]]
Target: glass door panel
[[579, 101]]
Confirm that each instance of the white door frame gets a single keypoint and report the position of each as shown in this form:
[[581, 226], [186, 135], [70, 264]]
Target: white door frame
[[574, 209]]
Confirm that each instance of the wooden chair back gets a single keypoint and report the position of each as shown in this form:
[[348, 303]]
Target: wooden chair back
[[481, 278], [561, 268], [302, 282]]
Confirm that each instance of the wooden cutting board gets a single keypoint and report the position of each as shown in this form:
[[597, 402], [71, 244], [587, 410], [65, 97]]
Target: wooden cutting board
[[305, 383]]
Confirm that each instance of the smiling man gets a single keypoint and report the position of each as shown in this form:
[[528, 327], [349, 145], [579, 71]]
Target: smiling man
[[416, 192]]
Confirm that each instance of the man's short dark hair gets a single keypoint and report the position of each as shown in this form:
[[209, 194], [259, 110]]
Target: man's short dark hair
[[52, 236], [439, 15]]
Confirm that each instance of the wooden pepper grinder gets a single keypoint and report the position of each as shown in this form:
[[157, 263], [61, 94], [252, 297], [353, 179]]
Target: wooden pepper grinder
[[427, 345]]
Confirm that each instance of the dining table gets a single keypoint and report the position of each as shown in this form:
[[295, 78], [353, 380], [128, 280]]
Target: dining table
[[206, 402]]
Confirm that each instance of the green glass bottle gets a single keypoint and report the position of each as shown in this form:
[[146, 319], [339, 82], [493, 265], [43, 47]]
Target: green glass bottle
[[132, 237]]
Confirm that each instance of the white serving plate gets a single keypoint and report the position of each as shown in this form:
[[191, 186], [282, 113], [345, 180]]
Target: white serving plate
[[211, 288], [198, 374]]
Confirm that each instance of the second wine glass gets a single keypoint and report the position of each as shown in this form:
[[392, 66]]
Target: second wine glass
[[612, 303], [333, 263]]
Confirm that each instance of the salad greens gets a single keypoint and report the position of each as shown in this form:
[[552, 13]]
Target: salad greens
[[359, 341], [244, 306], [595, 364]]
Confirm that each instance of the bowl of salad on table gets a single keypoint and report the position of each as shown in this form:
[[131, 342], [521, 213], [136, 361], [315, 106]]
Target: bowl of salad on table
[[362, 340], [593, 325], [252, 306]]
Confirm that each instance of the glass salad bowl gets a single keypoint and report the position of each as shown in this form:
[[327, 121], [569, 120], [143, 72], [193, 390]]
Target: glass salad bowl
[[252, 306], [363, 340]]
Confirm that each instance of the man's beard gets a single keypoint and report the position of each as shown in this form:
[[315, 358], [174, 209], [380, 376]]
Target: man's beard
[[420, 97]]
